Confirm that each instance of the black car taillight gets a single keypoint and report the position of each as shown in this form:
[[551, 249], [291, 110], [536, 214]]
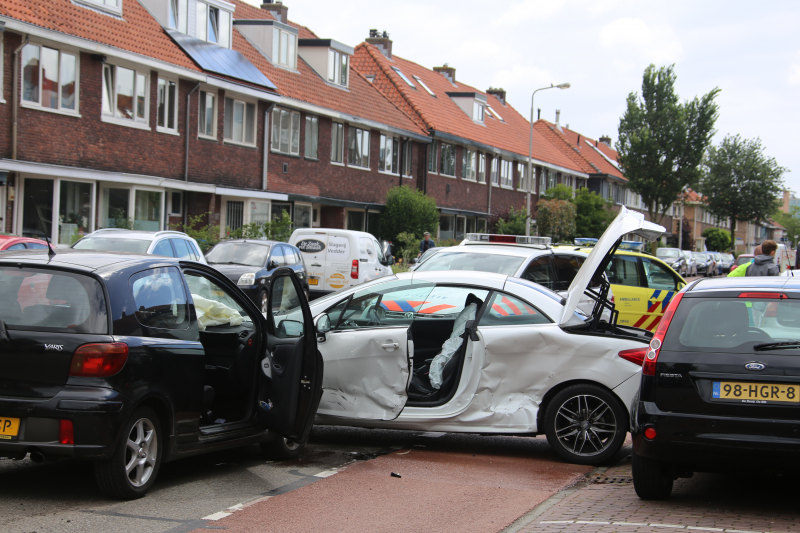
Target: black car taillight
[[650, 358], [98, 360]]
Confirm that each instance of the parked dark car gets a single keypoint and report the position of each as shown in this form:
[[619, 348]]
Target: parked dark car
[[129, 361], [250, 263], [674, 258], [705, 264], [720, 384]]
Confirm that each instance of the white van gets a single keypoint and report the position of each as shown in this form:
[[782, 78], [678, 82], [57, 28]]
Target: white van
[[785, 258], [338, 259]]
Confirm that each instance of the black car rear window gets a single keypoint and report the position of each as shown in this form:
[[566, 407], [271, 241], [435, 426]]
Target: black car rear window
[[51, 300], [736, 325]]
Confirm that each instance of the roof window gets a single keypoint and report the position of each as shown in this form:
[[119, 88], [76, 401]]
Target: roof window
[[492, 112], [112, 6], [423, 85], [408, 81]]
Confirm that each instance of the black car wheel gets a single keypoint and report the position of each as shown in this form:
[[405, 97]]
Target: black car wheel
[[281, 449], [651, 478], [585, 424], [133, 468]]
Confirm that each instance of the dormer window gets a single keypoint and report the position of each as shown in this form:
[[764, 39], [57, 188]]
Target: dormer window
[[478, 112], [213, 24], [408, 81], [178, 15], [473, 104], [113, 6], [338, 64], [284, 48]]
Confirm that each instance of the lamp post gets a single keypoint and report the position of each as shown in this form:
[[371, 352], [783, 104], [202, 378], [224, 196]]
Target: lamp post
[[530, 158]]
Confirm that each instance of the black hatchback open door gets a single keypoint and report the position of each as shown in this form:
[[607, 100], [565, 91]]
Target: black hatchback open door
[[290, 376]]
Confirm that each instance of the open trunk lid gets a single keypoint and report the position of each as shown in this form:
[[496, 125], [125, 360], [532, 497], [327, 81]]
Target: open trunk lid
[[625, 223]]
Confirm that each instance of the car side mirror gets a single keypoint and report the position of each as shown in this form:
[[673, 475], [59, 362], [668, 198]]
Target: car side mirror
[[323, 323], [272, 264], [290, 328], [681, 285], [413, 260]]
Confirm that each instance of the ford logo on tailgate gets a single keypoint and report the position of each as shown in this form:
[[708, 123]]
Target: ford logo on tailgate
[[753, 365]]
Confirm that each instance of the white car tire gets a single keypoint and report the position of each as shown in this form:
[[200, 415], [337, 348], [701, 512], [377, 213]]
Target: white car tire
[[585, 424]]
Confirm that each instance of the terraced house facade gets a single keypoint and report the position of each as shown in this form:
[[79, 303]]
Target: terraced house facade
[[147, 112]]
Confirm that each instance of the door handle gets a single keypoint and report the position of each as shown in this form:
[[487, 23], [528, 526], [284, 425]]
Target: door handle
[[390, 345], [315, 265]]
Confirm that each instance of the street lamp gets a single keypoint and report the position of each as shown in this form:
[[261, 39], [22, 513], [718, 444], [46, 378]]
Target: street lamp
[[530, 158]]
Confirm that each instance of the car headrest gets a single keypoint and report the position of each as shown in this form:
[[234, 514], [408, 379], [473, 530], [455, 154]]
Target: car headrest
[[65, 288]]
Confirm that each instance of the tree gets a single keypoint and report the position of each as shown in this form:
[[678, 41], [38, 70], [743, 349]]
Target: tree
[[717, 240], [556, 218], [593, 213], [559, 192], [740, 182], [512, 222], [790, 221], [662, 141], [687, 242], [408, 210]]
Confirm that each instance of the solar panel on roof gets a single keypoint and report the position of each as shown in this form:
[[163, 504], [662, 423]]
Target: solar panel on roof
[[215, 58]]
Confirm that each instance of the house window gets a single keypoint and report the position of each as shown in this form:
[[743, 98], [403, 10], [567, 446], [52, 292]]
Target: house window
[[312, 137], [481, 168], [552, 179], [337, 142], [481, 227], [337, 67], [49, 78], [358, 147], [125, 94], [424, 86], [522, 171], [432, 157], [207, 122], [240, 121], [286, 131], [167, 115], [495, 177], [446, 223], [468, 165], [405, 79], [213, 25], [389, 154], [175, 203], [114, 6], [406, 164], [448, 160], [178, 15], [478, 113], [284, 48], [506, 179]]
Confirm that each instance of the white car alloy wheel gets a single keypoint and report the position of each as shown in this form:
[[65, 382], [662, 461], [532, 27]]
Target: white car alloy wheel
[[585, 424], [141, 452]]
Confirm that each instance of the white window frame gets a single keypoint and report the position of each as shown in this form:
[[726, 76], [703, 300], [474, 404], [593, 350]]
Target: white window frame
[[2, 79], [136, 121], [180, 9], [480, 172], [18, 215], [245, 102], [105, 5], [335, 59], [215, 111], [495, 172], [404, 77], [469, 165], [165, 128], [479, 113], [522, 170], [275, 147], [419, 80], [131, 199], [171, 212], [433, 156], [441, 154], [506, 174], [389, 146], [311, 123], [38, 105], [359, 133], [337, 130], [224, 22], [277, 47], [407, 159]]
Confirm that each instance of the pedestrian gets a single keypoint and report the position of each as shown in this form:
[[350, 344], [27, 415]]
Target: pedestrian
[[764, 263], [741, 270], [426, 243]]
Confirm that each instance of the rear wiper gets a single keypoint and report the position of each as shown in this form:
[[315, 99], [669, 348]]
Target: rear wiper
[[776, 345]]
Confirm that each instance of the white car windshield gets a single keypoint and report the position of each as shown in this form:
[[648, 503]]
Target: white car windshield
[[477, 261], [238, 253], [113, 244], [667, 254]]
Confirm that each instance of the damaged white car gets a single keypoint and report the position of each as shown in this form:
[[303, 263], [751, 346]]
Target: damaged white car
[[479, 352]]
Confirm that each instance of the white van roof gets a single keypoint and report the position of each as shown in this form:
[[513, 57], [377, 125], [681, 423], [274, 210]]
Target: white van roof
[[325, 231]]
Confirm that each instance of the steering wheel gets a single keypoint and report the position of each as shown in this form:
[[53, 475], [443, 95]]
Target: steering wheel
[[374, 313], [760, 332]]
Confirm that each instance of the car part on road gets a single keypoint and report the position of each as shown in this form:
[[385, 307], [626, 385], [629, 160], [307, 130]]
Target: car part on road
[[133, 468], [281, 449], [652, 479], [585, 424]]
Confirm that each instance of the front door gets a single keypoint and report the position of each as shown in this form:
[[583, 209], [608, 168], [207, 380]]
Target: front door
[[368, 351], [290, 374]]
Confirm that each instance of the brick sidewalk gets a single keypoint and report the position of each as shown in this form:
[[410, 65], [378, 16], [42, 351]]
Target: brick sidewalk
[[705, 502]]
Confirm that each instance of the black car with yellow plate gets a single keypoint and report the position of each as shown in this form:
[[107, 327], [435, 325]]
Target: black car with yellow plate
[[128, 361], [720, 384]]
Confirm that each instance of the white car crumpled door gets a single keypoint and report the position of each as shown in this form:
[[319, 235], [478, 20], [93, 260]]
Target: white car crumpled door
[[369, 353]]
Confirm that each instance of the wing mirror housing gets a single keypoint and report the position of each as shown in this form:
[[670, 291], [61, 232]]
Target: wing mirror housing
[[290, 328], [413, 260], [323, 326], [272, 264]]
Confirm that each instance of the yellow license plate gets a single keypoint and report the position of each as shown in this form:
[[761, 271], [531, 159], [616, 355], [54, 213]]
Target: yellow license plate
[[9, 427], [313, 281], [755, 392]]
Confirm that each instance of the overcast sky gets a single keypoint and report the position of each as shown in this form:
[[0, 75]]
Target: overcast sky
[[750, 50]]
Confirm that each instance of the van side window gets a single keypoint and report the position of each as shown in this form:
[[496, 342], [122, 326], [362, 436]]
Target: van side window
[[658, 277], [160, 299], [624, 270]]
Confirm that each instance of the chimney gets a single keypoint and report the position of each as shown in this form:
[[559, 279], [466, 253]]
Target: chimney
[[605, 139], [278, 10], [558, 121], [448, 72], [500, 94], [381, 41]]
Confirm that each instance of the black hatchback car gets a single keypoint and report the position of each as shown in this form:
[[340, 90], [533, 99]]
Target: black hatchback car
[[129, 361], [251, 263], [720, 383]]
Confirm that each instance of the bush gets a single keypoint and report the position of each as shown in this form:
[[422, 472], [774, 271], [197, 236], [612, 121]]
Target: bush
[[717, 240], [511, 222], [274, 230], [407, 247], [556, 218], [206, 235], [559, 192], [408, 211], [592, 213]]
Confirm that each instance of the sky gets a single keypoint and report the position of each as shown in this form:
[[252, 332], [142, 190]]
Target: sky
[[750, 50]]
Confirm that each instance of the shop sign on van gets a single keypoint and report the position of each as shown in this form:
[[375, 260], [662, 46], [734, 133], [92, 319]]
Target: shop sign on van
[[311, 246], [338, 248]]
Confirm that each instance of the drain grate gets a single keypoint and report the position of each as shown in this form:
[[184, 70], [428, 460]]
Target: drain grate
[[603, 479]]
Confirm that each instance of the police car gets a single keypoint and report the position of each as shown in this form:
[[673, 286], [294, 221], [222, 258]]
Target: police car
[[643, 285]]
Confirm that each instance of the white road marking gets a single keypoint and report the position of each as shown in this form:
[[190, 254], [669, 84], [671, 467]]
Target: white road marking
[[326, 473], [672, 526], [217, 516]]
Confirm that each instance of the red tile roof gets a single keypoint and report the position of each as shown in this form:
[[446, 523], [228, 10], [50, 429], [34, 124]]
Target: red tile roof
[[136, 31], [583, 150], [360, 99], [442, 114]]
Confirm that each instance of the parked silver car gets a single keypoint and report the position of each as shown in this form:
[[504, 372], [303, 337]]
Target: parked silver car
[[674, 258], [691, 263]]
